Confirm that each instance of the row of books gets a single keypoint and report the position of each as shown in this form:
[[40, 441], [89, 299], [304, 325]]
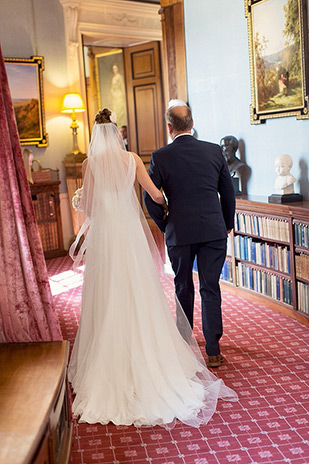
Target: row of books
[[302, 266], [262, 226], [44, 207], [49, 236], [226, 273], [303, 297], [264, 282], [301, 232], [272, 256]]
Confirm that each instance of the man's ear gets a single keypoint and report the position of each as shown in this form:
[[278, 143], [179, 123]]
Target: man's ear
[[170, 129]]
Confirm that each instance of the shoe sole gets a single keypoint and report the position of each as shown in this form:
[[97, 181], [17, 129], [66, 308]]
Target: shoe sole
[[218, 363]]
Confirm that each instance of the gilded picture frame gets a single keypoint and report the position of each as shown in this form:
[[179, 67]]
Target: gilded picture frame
[[25, 76], [278, 51]]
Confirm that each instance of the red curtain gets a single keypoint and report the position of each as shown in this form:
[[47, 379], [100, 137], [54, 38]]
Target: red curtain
[[26, 306]]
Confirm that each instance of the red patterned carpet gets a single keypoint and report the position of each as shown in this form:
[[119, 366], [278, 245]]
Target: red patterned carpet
[[270, 423]]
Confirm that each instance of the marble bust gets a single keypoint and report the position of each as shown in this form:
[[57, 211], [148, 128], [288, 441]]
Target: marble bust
[[284, 183]]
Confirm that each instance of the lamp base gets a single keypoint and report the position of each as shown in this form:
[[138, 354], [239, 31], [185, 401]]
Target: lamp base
[[76, 152]]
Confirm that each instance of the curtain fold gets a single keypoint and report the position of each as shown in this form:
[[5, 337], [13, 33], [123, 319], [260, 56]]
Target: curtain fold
[[26, 307]]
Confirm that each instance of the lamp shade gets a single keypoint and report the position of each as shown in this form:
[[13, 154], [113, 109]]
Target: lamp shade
[[72, 102]]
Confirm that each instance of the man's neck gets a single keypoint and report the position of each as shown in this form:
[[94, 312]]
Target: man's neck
[[177, 134]]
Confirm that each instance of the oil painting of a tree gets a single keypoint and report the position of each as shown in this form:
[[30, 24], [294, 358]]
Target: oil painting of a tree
[[277, 55]]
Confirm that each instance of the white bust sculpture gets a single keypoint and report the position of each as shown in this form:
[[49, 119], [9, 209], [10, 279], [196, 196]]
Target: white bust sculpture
[[284, 183]]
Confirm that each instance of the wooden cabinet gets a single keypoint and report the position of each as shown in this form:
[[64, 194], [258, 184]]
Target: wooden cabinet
[[35, 417], [46, 203], [268, 251]]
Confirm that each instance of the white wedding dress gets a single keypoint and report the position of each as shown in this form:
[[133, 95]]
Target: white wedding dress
[[129, 363]]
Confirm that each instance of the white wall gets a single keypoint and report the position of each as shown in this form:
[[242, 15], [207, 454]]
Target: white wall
[[219, 94]]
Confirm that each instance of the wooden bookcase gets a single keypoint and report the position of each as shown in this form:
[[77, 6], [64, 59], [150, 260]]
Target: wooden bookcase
[[46, 203], [268, 252]]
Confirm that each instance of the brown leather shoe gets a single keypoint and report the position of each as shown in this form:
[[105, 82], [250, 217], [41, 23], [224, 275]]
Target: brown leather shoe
[[215, 361]]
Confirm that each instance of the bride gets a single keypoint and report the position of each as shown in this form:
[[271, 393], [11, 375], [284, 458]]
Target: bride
[[129, 363]]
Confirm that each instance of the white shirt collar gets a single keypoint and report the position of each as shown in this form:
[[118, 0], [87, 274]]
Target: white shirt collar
[[180, 135]]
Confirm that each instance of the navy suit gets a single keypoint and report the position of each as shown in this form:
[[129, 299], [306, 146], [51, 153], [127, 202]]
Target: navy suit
[[192, 173]]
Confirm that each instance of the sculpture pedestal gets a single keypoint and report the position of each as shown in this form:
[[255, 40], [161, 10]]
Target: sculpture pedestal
[[286, 198], [235, 182]]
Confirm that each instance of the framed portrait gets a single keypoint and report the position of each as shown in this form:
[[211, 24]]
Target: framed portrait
[[111, 83], [278, 50], [25, 78]]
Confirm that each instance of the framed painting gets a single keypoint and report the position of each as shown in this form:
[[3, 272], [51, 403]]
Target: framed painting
[[25, 78], [111, 83], [278, 50]]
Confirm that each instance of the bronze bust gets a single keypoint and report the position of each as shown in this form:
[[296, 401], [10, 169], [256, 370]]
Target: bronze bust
[[229, 146]]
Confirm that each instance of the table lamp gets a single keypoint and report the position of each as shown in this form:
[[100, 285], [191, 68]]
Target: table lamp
[[73, 103]]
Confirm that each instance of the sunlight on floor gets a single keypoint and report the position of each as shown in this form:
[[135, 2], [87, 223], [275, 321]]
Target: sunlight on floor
[[65, 281]]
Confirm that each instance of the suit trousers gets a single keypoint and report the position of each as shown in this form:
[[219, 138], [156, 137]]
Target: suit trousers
[[210, 257]]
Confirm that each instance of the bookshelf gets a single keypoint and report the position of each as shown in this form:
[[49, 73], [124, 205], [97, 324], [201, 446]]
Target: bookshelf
[[268, 251], [46, 203]]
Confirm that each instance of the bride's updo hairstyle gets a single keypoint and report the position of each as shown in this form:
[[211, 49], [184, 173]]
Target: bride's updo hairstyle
[[103, 116]]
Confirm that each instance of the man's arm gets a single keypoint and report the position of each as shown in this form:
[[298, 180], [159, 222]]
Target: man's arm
[[156, 211]]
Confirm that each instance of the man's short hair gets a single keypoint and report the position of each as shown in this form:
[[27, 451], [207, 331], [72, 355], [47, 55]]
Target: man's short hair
[[179, 123]]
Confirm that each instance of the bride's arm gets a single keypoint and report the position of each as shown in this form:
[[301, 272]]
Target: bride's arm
[[145, 181]]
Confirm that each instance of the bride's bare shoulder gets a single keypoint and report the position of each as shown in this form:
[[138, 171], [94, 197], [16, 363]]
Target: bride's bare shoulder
[[136, 157]]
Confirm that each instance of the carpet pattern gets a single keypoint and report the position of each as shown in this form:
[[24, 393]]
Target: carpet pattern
[[267, 364]]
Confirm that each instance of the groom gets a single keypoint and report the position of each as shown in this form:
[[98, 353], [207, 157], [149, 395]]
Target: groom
[[192, 173]]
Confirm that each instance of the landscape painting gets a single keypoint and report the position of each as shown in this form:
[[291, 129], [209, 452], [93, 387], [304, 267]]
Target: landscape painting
[[278, 68], [25, 82]]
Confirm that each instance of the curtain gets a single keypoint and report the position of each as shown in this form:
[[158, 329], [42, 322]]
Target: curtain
[[26, 306]]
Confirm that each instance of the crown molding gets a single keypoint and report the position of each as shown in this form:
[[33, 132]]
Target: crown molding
[[111, 22], [113, 6]]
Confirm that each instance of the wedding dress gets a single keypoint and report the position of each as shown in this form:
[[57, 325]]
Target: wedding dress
[[129, 363]]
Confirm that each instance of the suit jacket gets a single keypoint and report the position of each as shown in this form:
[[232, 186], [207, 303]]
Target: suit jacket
[[192, 173]]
